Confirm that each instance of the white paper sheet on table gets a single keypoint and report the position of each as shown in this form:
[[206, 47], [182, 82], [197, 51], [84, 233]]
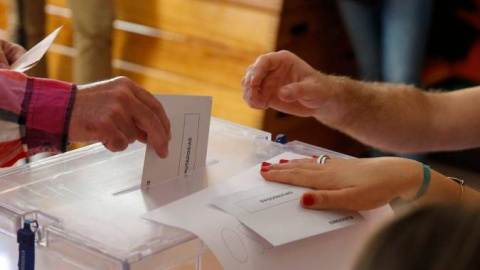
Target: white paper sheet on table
[[239, 248], [35, 54], [190, 123], [273, 209]]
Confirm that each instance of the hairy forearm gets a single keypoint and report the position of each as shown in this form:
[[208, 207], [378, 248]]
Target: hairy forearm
[[456, 119], [390, 117]]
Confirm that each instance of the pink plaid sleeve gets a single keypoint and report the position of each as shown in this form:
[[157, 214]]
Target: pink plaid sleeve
[[34, 115]]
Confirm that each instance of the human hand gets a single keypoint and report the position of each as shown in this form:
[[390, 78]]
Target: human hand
[[284, 82], [117, 112], [9, 53], [354, 184]]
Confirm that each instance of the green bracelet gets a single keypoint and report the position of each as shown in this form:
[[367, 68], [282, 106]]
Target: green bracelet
[[425, 183]]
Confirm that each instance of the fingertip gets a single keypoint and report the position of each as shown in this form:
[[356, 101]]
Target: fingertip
[[265, 169], [308, 200], [166, 150], [248, 93], [254, 81], [158, 144], [265, 172], [255, 102], [161, 153], [260, 103], [285, 94]]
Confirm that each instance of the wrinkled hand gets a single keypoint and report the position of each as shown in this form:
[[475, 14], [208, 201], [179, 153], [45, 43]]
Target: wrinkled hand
[[284, 82], [117, 112], [354, 184], [9, 53]]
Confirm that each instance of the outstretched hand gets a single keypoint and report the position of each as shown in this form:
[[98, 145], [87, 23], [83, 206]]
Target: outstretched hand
[[284, 82], [354, 184]]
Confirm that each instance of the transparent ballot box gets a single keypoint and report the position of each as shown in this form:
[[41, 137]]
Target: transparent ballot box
[[88, 204]]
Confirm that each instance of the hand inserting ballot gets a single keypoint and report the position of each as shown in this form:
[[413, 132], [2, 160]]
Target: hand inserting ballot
[[117, 112]]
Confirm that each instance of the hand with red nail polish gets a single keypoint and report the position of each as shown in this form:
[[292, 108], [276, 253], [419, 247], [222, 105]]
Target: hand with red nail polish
[[355, 184]]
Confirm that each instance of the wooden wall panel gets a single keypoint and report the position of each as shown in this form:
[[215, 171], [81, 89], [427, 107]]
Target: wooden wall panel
[[3, 14], [186, 56], [268, 5], [65, 37], [221, 22]]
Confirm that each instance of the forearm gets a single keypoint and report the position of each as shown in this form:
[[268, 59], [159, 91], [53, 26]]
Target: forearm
[[390, 117], [456, 121], [440, 190]]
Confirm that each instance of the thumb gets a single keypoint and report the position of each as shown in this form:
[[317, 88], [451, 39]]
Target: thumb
[[304, 90], [328, 199]]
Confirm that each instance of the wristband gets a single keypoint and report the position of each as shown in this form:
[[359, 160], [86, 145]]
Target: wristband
[[425, 183]]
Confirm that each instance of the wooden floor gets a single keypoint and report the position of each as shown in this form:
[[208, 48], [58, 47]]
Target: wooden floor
[[200, 47]]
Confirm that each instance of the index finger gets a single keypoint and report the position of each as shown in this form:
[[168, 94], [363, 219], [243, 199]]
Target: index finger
[[155, 105], [147, 121], [263, 66], [255, 78]]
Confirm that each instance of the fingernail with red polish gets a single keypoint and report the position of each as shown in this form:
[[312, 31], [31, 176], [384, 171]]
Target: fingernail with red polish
[[282, 161], [315, 156], [308, 199], [266, 164], [266, 169]]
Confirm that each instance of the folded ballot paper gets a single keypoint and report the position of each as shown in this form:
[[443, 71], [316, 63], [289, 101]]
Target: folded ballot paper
[[35, 54], [250, 223], [190, 122], [273, 209]]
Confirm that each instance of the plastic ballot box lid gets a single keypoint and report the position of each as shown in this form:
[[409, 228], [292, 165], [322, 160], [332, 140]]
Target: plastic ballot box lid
[[88, 202]]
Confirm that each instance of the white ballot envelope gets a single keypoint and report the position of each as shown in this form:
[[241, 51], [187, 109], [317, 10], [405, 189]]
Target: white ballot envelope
[[273, 209], [190, 122], [35, 54]]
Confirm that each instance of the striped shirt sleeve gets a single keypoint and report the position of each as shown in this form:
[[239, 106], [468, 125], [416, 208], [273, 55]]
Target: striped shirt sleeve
[[34, 115]]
